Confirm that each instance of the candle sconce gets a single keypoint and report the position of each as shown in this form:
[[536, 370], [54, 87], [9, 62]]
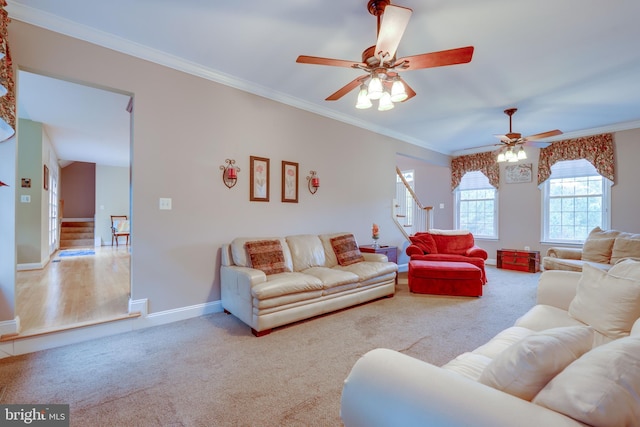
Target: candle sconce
[[229, 173], [313, 182]]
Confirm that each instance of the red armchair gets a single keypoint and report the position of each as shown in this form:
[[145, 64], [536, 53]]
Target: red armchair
[[447, 245]]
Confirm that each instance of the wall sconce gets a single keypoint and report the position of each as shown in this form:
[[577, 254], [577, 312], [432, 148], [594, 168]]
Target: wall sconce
[[229, 173], [313, 182]]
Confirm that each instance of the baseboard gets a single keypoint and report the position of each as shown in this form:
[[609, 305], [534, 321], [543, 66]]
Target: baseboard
[[491, 261], [31, 266], [71, 336]]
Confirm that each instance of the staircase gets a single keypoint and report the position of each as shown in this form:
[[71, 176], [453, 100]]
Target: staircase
[[74, 234], [409, 214]]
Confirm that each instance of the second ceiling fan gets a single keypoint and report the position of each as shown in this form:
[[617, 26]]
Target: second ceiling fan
[[382, 81]]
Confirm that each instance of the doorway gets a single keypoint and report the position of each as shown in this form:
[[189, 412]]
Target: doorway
[[61, 125]]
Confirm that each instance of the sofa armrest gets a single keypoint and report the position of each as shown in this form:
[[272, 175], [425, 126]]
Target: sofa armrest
[[566, 253], [388, 388], [477, 252], [413, 250], [374, 257], [557, 288]]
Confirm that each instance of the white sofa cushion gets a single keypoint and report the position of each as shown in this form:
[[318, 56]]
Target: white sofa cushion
[[609, 303], [503, 340], [524, 368], [542, 316], [468, 364], [281, 284], [601, 388], [626, 245], [306, 251], [329, 254]]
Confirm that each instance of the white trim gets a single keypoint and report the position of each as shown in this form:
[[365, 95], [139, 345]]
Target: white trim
[[31, 266], [72, 336], [10, 326]]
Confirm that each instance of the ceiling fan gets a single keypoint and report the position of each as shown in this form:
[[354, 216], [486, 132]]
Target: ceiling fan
[[382, 81], [510, 142]]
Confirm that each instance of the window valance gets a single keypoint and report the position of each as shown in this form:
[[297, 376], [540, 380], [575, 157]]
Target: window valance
[[483, 162], [597, 149], [8, 101]]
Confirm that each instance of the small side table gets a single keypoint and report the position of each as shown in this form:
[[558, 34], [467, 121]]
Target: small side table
[[390, 251]]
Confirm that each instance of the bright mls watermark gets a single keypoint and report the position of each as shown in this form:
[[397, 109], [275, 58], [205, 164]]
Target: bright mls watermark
[[34, 415]]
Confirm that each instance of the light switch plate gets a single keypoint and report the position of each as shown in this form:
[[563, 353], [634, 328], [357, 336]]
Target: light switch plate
[[25, 198], [165, 203]]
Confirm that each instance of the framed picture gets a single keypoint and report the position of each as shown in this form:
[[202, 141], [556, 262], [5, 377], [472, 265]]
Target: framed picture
[[45, 174], [26, 182], [259, 179], [289, 182], [518, 173]]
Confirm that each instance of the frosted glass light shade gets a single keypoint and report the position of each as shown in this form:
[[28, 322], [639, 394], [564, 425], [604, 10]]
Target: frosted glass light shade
[[363, 98], [375, 88], [398, 91], [385, 102]]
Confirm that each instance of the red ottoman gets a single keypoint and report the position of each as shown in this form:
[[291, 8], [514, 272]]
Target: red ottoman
[[445, 278]]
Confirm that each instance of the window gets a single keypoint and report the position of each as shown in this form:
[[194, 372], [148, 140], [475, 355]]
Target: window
[[477, 206], [575, 200]]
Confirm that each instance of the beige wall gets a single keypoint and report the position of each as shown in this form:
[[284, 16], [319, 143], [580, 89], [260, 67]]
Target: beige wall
[[112, 198], [184, 127]]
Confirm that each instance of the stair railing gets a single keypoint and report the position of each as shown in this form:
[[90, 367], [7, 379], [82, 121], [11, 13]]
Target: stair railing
[[409, 214]]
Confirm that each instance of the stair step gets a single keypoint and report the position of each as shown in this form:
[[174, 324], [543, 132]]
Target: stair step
[[74, 243], [65, 224]]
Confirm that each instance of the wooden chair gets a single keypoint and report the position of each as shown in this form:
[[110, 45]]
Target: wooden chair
[[119, 228]]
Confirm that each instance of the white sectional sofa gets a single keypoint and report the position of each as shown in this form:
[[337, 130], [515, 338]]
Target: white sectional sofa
[[270, 282], [572, 360]]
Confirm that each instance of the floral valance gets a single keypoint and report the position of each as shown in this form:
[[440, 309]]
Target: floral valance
[[483, 162], [8, 101], [597, 149]]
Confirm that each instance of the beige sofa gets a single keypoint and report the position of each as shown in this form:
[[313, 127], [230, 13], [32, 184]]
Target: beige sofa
[[602, 249], [270, 282], [572, 360]]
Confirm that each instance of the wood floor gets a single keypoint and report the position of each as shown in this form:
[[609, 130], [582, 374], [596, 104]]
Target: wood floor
[[74, 290]]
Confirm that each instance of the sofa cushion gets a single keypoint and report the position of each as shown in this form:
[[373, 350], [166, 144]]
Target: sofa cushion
[[346, 249], [597, 247], [267, 256], [241, 257], [627, 268], [601, 388], [306, 251], [542, 316], [453, 243], [284, 284], [468, 364], [368, 270], [332, 277], [626, 245], [608, 303], [425, 242], [524, 368], [503, 340]]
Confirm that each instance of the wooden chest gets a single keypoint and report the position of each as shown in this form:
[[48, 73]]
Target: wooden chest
[[513, 259]]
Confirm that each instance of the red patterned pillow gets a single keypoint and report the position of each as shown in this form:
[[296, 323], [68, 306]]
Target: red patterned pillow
[[346, 249], [267, 255], [425, 242]]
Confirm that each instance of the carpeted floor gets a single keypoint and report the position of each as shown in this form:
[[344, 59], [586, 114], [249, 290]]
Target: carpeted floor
[[210, 371]]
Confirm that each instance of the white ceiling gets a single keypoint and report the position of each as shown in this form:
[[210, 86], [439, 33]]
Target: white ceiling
[[572, 64]]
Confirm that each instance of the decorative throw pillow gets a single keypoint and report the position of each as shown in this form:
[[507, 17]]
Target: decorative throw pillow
[[602, 388], [346, 249], [626, 245], [525, 367], [608, 303], [597, 250], [267, 255], [425, 242]]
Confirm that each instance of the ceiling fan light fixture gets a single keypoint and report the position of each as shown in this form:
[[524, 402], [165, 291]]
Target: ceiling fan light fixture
[[398, 91], [385, 102], [375, 88], [364, 101], [521, 154]]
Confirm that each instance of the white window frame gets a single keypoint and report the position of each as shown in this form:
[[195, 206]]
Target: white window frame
[[472, 186], [581, 172]]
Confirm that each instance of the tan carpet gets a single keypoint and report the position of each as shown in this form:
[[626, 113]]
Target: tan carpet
[[210, 371]]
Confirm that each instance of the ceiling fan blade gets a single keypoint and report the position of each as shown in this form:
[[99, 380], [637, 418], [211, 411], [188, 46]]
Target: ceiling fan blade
[[543, 135], [538, 144], [482, 146], [504, 139], [442, 58], [410, 92], [304, 59], [394, 22], [346, 88]]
